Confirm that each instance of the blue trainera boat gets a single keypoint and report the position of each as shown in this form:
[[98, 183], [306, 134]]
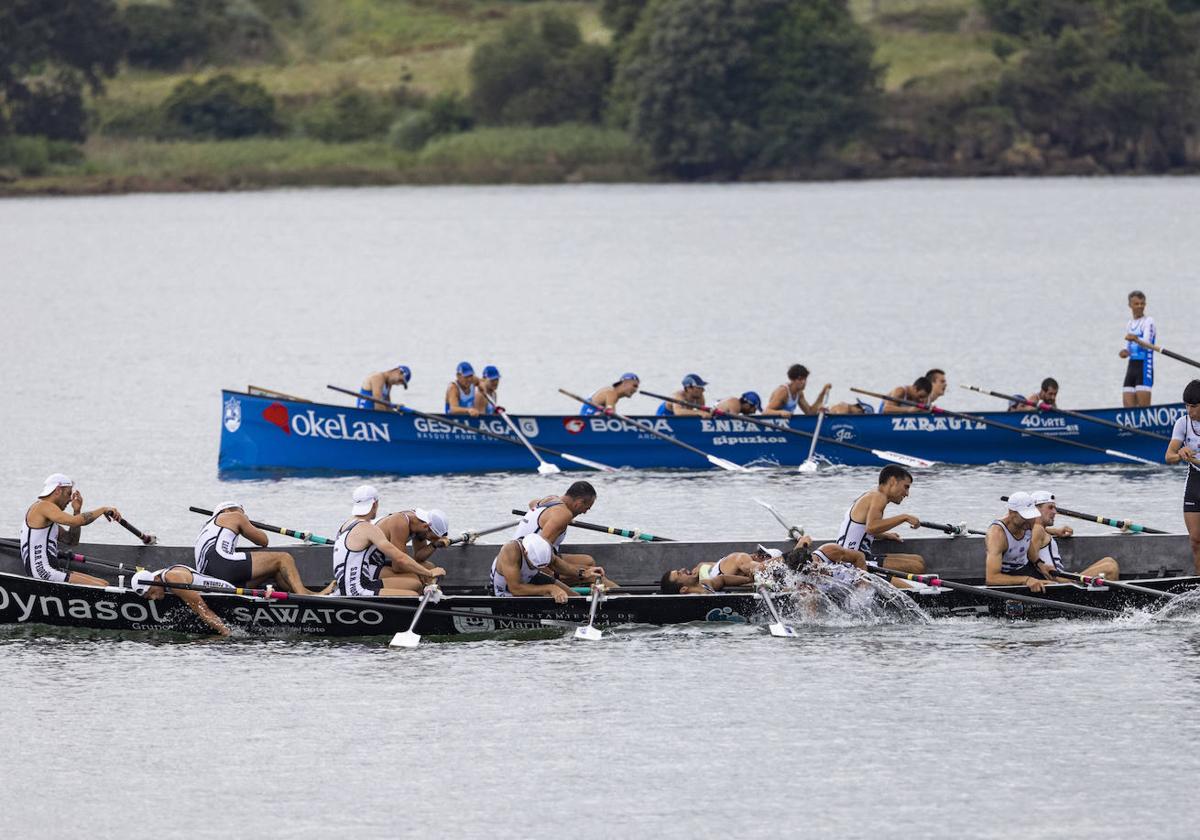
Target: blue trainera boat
[[265, 433]]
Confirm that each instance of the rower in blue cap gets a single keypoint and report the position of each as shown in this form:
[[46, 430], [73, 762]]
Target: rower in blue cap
[[485, 389], [747, 403], [378, 386], [460, 394], [692, 392], [626, 386]]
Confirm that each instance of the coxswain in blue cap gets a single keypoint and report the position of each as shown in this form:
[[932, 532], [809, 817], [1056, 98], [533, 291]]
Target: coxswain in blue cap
[[692, 392], [460, 394], [608, 397], [747, 403], [376, 389], [788, 398], [485, 390]]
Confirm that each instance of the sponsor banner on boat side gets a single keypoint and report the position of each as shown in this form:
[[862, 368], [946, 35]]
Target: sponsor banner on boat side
[[1051, 424], [938, 423], [484, 620], [305, 619], [428, 429], [232, 414], [1148, 418], [31, 607], [310, 424]]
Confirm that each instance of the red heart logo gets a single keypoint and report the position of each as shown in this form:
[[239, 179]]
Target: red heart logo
[[277, 415]]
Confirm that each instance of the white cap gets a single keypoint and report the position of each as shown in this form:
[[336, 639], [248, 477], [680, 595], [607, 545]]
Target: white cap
[[1022, 503], [537, 549], [53, 482], [141, 581], [435, 519], [365, 496], [773, 553], [1042, 497], [228, 506]]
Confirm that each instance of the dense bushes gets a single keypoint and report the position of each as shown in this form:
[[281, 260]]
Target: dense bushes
[[221, 108], [167, 37]]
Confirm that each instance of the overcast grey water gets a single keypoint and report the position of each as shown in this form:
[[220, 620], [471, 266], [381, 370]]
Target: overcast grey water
[[126, 315]]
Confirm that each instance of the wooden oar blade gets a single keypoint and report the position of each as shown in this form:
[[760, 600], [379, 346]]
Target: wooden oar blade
[[901, 458]]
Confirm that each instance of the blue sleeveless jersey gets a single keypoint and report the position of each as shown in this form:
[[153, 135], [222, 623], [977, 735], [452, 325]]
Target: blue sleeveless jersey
[[370, 403], [464, 400]]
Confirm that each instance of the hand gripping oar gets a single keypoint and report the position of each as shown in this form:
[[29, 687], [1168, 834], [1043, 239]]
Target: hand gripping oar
[[1116, 584], [646, 427], [438, 418], [303, 536], [1078, 415], [591, 633], [544, 467], [953, 530], [881, 454], [605, 529], [934, 580], [147, 539], [1158, 348], [794, 531], [409, 638], [778, 627], [469, 537], [975, 418], [810, 465], [1123, 524]]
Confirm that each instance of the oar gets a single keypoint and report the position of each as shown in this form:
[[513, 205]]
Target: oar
[[778, 627], [646, 427], [605, 529], [303, 536], [403, 409], [1158, 348], [544, 467], [934, 580], [1078, 415], [409, 638], [1123, 524], [471, 536], [881, 454], [953, 530], [1117, 584], [14, 546], [975, 418], [794, 531], [591, 633], [810, 465], [147, 539]]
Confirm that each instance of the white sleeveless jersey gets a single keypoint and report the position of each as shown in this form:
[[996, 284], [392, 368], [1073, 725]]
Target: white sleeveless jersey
[[853, 534], [356, 572], [219, 538], [1188, 431], [39, 546], [530, 524], [500, 582], [198, 578], [1016, 554], [1049, 554]]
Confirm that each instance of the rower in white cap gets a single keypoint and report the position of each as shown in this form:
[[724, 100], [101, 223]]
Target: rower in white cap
[[1044, 549], [144, 584], [426, 530], [217, 553], [1009, 546], [47, 525], [528, 566], [366, 562]]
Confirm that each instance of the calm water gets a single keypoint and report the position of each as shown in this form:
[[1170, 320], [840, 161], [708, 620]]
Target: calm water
[[125, 316]]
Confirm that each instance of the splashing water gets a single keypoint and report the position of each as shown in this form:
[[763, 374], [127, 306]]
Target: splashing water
[[845, 597]]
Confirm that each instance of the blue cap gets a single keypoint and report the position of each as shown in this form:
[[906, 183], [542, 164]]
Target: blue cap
[[465, 369], [693, 380], [752, 398], [625, 377], [407, 371], [491, 372]]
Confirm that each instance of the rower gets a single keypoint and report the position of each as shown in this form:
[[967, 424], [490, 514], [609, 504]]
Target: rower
[[485, 390], [143, 583], [788, 397], [691, 392], [865, 522], [217, 553], [1139, 373], [47, 525], [1185, 447], [549, 516], [367, 562], [1044, 548], [607, 398], [748, 403], [425, 529], [937, 384], [460, 394], [1009, 546], [1047, 394], [529, 566], [919, 392], [376, 389], [736, 569]]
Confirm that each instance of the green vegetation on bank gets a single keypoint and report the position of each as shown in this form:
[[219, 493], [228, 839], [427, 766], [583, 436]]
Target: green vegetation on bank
[[236, 94]]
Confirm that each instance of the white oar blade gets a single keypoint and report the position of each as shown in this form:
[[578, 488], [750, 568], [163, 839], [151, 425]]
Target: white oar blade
[[808, 467], [407, 639], [725, 465], [901, 458], [588, 634], [546, 468], [1126, 456], [584, 462], [782, 631]]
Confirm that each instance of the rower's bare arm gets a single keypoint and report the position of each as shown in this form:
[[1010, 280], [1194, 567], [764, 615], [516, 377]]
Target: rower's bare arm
[[890, 407], [193, 600], [776, 402], [878, 524], [815, 407], [250, 531], [1177, 452], [720, 582], [554, 523], [52, 513]]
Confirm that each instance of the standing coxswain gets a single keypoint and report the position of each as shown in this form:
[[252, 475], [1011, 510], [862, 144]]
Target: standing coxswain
[[217, 553], [1044, 552], [788, 398], [144, 584], [485, 390], [460, 393], [1185, 447], [426, 530], [47, 525], [367, 562], [919, 392], [529, 566], [1139, 373], [376, 389], [550, 516], [691, 392], [607, 398], [1011, 560], [748, 403], [865, 522]]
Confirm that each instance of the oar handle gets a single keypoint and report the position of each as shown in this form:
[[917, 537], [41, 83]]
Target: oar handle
[[147, 539], [303, 536], [990, 593], [605, 529]]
